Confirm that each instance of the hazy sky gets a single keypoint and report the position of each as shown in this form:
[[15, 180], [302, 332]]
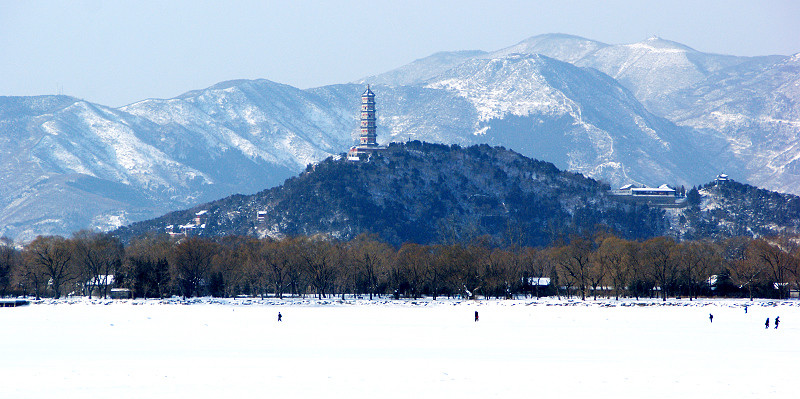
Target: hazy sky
[[118, 52]]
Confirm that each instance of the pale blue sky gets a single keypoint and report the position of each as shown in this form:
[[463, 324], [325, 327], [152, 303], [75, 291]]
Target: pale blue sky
[[115, 53]]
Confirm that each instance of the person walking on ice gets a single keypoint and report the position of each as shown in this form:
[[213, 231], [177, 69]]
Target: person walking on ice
[[280, 317], [476, 315], [777, 321], [711, 317], [766, 325]]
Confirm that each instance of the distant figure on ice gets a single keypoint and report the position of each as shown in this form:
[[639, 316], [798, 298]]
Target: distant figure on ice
[[476, 315], [777, 321], [711, 317], [766, 325], [280, 316], [745, 309]]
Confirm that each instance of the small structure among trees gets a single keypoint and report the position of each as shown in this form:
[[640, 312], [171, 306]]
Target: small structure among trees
[[663, 196], [191, 228], [99, 285]]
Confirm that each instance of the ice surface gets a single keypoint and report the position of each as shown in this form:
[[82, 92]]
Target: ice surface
[[422, 349]]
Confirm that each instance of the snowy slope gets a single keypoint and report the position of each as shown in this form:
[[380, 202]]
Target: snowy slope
[[262, 120], [567, 48], [755, 109], [83, 165], [577, 118], [741, 111], [422, 69], [68, 164], [650, 68], [655, 66]]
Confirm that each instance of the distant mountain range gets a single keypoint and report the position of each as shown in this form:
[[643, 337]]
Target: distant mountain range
[[651, 112]]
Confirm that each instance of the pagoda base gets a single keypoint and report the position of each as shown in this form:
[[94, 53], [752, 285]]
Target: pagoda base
[[362, 152]]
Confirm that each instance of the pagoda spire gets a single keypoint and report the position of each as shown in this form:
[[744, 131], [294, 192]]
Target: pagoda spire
[[368, 138], [369, 134]]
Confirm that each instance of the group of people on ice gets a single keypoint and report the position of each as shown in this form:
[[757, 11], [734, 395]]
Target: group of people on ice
[[777, 321], [711, 319]]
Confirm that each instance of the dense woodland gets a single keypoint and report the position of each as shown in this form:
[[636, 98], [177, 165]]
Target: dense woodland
[[425, 193], [587, 266]]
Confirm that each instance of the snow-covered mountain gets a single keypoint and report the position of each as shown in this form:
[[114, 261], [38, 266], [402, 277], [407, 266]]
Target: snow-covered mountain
[[567, 48], [755, 108], [742, 111], [655, 67], [266, 122], [67, 164], [652, 68], [422, 69], [577, 118]]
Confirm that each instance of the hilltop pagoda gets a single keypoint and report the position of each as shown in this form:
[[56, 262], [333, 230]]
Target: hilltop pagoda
[[367, 142]]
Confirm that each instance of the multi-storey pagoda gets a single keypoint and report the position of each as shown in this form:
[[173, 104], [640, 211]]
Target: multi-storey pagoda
[[367, 142]]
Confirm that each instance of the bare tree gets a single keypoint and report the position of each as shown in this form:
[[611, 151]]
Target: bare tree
[[794, 267], [502, 273], [414, 262], [438, 271], [775, 260], [296, 272], [192, 263], [145, 268], [536, 264], [49, 257], [511, 272], [615, 254], [575, 261], [659, 256], [319, 259], [696, 259], [740, 263], [229, 274], [9, 262], [464, 261], [32, 276], [370, 256], [98, 257], [273, 263], [597, 272]]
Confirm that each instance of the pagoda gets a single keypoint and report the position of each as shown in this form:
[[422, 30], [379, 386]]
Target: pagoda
[[367, 141]]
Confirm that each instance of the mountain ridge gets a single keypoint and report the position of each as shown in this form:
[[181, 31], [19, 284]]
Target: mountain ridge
[[244, 135]]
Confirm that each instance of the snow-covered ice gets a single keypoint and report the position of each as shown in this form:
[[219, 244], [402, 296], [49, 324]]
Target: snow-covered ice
[[422, 349]]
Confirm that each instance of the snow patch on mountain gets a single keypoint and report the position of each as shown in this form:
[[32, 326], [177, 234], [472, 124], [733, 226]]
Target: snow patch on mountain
[[567, 48], [656, 44], [422, 69], [511, 85]]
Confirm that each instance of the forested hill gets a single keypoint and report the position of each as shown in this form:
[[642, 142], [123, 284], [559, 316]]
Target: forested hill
[[425, 193], [729, 208]]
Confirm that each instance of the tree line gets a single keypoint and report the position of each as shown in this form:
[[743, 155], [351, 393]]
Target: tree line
[[587, 266]]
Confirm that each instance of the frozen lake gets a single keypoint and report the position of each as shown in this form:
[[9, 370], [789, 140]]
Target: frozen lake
[[360, 349]]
